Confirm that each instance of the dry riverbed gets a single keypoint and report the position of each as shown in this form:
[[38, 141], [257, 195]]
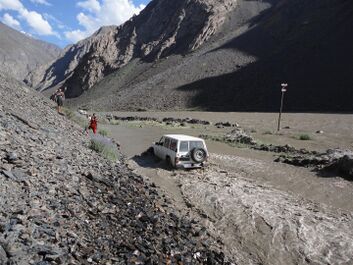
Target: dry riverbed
[[264, 212]]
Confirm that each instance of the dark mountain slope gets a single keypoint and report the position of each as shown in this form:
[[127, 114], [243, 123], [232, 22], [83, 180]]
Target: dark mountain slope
[[215, 55], [307, 44], [176, 69], [262, 44], [20, 54]]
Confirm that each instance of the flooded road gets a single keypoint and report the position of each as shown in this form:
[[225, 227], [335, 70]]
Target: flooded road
[[264, 212], [337, 128], [135, 138]]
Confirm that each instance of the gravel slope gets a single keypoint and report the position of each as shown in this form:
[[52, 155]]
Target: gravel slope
[[62, 203]]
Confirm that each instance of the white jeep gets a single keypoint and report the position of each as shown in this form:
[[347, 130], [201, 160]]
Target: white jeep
[[181, 151]]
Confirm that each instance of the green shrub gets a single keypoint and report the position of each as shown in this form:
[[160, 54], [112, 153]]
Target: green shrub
[[103, 132], [114, 122], [268, 133], [68, 113], [96, 146], [304, 137], [107, 150]]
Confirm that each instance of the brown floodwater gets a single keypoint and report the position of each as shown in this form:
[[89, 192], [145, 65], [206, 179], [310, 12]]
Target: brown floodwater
[[137, 137], [264, 212], [337, 128]]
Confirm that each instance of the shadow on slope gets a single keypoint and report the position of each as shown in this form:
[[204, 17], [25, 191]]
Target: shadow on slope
[[307, 44]]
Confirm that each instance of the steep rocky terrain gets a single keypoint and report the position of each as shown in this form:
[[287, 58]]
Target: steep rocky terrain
[[20, 54], [215, 55], [62, 203], [163, 27]]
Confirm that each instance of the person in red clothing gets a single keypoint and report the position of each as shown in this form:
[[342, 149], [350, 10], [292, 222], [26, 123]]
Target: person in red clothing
[[93, 123]]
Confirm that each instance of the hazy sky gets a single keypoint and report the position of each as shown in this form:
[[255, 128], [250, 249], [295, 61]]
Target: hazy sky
[[64, 22]]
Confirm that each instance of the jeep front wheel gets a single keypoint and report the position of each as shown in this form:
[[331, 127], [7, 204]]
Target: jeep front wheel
[[169, 161]]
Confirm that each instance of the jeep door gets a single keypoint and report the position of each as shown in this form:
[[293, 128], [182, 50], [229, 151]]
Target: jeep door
[[165, 148], [158, 148], [172, 150]]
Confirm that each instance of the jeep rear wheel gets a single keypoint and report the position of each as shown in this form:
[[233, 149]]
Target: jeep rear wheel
[[199, 155]]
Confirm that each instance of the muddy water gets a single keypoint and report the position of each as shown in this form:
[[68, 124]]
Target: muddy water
[[262, 225], [135, 139], [257, 223], [337, 128], [335, 192], [264, 212]]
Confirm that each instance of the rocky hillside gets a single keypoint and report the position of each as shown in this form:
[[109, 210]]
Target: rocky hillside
[[215, 55], [62, 203], [20, 54], [164, 27]]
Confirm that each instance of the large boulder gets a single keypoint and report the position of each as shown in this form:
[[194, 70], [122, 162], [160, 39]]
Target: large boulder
[[343, 165], [238, 135]]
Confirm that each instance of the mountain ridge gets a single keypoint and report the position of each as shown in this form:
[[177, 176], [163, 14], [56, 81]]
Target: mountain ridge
[[162, 28], [250, 49], [20, 53]]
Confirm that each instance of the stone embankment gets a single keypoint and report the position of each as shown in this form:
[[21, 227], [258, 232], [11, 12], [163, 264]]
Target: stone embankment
[[169, 121], [62, 203], [333, 160]]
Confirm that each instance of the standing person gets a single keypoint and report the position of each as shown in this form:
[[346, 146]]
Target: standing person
[[53, 97], [93, 123], [88, 125], [60, 97]]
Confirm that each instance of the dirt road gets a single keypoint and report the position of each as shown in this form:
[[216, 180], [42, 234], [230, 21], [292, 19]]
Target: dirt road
[[264, 212]]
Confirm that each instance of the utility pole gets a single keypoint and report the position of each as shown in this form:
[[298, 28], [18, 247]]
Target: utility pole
[[283, 90]]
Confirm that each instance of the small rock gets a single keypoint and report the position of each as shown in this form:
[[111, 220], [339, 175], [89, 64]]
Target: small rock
[[11, 157], [3, 256], [43, 263]]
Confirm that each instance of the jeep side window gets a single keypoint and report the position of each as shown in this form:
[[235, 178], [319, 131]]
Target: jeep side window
[[184, 146], [173, 145], [166, 142]]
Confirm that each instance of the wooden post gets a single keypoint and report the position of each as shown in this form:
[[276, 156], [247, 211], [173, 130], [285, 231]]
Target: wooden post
[[283, 90]]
